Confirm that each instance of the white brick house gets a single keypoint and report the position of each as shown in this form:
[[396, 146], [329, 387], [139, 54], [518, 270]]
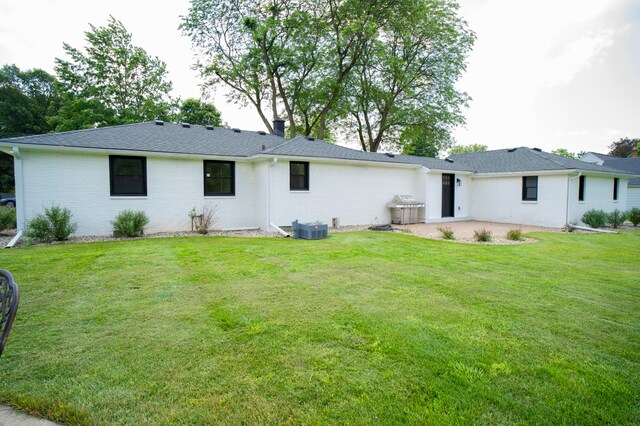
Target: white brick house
[[257, 179]]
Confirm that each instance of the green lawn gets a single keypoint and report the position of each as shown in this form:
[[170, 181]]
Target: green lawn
[[362, 328]]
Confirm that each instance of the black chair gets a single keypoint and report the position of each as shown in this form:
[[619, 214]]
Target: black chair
[[9, 298]]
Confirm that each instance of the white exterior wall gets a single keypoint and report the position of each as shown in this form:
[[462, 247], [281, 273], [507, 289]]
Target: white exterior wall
[[499, 199], [434, 200], [633, 197], [80, 182], [598, 194], [356, 194]]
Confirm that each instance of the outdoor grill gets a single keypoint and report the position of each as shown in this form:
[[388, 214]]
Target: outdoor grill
[[404, 209]]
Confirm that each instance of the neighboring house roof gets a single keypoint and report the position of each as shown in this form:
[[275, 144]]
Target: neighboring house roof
[[524, 159], [302, 146], [631, 165], [603, 157]]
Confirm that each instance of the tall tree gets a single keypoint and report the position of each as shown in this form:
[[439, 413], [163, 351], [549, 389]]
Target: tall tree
[[26, 97], [465, 149], [194, 111], [564, 152], [111, 82], [624, 147], [297, 59], [404, 86]]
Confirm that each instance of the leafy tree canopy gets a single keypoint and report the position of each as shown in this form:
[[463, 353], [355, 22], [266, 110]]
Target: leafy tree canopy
[[194, 111], [26, 97], [465, 149], [385, 69], [564, 152], [624, 147], [111, 82]]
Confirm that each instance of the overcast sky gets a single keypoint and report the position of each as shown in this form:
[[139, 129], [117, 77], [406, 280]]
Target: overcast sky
[[544, 73]]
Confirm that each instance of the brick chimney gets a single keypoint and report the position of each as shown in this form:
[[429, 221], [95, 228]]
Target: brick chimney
[[278, 127]]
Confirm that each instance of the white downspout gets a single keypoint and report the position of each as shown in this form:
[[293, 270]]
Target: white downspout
[[569, 195], [19, 177], [273, 163]]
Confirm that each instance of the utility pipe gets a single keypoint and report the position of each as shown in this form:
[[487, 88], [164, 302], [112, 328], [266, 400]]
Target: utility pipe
[[280, 230]]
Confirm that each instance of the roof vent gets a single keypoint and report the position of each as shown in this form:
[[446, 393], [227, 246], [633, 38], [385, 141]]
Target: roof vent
[[210, 127], [448, 160], [186, 125], [159, 123], [236, 130], [511, 150], [537, 149], [388, 154], [309, 138], [262, 132]]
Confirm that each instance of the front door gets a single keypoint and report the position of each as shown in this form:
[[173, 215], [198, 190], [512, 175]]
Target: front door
[[448, 194]]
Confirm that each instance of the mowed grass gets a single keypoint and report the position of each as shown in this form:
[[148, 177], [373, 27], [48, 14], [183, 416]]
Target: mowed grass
[[364, 328]]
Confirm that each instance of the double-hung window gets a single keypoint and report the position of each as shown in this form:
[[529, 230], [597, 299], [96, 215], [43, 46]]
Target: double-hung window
[[128, 175], [529, 188], [616, 184], [219, 178], [299, 176], [581, 182]]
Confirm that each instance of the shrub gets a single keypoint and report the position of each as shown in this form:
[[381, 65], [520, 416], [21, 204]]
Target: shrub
[[515, 234], [447, 233], [595, 218], [54, 224], [7, 219], [634, 216], [204, 219], [482, 235], [129, 223], [616, 218]]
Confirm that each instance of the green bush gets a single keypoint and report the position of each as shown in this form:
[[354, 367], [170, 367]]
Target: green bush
[[617, 218], [515, 234], [7, 219], [634, 216], [482, 235], [130, 223], [595, 218], [447, 233], [54, 224]]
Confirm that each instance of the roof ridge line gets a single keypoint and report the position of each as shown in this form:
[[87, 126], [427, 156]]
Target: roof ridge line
[[286, 142], [539, 154]]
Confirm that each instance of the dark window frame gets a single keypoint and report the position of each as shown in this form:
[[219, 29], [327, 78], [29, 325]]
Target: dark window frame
[[616, 187], [581, 185], [526, 186], [305, 175], [112, 184], [232, 178]]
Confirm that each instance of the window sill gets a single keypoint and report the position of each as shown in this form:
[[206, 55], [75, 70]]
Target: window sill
[[529, 202], [128, 197], [211, 197], [299, 190], [580, 202]]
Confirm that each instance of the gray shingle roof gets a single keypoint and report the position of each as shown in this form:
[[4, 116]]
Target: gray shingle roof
[[524, 159], [602, 156], [168, 138], [631, 165], [301, 146]]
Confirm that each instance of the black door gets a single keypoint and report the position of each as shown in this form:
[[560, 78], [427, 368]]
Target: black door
[[448, 194]]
